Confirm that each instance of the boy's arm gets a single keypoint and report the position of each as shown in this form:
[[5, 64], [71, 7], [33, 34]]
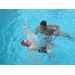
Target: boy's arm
[[30, 52], [26, 32]]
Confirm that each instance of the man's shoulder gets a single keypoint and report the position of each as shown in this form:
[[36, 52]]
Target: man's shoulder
[[49, 25], [38, 28]]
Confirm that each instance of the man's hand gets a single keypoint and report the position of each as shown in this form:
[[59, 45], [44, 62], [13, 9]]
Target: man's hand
[[56, 32], [24, 26]]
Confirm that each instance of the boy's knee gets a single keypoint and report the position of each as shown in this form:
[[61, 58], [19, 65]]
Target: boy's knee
[[49, 51]]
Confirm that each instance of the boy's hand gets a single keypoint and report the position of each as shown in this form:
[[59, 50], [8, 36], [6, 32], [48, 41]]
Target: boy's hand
[[24, 26]]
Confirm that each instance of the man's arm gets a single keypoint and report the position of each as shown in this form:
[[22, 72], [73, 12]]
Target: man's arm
[[36, 32], [57, 27]]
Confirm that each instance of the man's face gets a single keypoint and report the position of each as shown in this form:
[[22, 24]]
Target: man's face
[[43, 27]]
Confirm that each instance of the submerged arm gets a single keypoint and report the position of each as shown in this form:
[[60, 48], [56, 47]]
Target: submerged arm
[[57, 28], [30, 52]]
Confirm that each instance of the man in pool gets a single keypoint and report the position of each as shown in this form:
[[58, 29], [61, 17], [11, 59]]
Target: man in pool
[[48, 30]]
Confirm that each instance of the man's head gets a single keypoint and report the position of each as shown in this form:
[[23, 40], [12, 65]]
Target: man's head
[[43, 25]]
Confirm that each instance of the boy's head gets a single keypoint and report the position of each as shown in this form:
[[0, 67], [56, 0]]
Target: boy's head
[[23, 43]]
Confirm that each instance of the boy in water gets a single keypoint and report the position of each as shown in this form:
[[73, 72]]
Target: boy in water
[[33, 46], [48, 30]]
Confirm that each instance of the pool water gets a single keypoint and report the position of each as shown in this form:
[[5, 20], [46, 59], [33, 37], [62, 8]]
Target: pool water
[[12, 33]]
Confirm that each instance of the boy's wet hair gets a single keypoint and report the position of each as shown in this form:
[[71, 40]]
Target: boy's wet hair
[[43, 23], [22, 43]]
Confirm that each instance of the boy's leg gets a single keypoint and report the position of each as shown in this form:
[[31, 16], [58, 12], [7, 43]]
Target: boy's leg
[[49, 52], [50, 55], [50, 45]]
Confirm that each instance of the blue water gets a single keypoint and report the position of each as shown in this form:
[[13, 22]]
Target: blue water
[[12, 33]]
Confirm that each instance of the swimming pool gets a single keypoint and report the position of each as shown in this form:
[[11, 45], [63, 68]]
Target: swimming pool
[[12, 33]]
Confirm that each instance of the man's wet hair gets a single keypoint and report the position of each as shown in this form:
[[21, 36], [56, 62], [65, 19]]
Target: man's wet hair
[[43, 23]]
